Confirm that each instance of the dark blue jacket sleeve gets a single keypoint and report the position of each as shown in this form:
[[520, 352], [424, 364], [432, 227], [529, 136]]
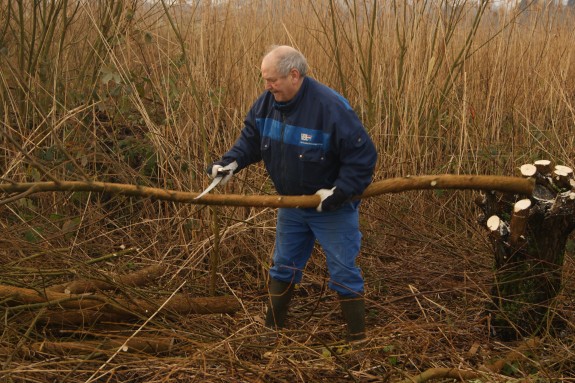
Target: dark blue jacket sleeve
[[246, 149], [357, 154]]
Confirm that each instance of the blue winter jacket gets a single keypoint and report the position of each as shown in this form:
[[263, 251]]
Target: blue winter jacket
[[315, 141]]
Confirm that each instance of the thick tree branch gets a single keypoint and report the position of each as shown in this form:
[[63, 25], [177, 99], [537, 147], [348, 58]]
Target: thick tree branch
[[493, 368], [179, 303], [514, 185], [137, 278]]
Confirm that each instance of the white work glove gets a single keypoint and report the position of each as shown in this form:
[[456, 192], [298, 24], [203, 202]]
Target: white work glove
[[331, 199], [215, 169]]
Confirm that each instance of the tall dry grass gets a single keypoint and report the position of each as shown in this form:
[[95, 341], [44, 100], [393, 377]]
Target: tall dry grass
[[438, 85], [150, 92]]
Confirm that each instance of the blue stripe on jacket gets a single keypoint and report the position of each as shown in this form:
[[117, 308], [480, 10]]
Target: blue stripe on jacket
[[292, 135]]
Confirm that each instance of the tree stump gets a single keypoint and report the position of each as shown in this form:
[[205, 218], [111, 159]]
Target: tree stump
[[529, 235]]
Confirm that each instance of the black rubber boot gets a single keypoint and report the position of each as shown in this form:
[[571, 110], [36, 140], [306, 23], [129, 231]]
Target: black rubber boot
[[280, 294], [353, 310]]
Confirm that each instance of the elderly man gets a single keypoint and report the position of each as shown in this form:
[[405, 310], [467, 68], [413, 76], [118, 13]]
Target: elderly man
[[311, 142]]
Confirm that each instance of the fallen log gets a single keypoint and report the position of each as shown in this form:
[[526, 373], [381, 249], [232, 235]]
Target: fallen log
[[135, 279], [121, 308], [515, 185], [80, 318], [494, 368]]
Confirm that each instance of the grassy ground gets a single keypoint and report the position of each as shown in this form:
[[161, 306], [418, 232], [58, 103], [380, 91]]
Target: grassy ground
[[427, 289]]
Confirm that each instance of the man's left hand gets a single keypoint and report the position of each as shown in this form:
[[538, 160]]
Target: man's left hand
[[331, 199]]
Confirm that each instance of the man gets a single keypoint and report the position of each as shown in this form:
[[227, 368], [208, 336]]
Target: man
[[311, 142]]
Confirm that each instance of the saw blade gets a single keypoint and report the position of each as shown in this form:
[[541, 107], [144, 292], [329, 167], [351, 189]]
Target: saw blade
[[216, 181]]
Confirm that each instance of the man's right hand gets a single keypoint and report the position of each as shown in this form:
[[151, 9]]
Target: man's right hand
[[331, 199], [216, 168]]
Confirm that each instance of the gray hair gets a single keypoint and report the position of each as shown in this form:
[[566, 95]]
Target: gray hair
[[288, 58]]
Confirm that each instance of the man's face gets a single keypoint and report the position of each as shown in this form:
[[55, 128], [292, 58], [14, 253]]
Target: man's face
[[283, 88]]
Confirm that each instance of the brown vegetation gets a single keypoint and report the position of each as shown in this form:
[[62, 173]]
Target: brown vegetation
[[146, 93]]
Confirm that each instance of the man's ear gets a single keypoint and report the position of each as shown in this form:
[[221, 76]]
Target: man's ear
[[294, 73]]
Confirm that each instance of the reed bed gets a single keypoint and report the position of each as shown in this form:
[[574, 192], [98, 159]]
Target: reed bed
[[148, 93]]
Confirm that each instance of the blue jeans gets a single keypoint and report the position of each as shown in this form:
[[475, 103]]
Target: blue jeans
[[338, 234]]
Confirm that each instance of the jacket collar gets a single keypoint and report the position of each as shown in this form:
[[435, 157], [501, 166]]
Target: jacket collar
[[290, 105]]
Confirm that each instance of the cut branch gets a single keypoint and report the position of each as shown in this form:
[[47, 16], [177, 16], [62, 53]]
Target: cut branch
[[514, 185], [543, 167], [518, 222], [562, 176], [528, 170]]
